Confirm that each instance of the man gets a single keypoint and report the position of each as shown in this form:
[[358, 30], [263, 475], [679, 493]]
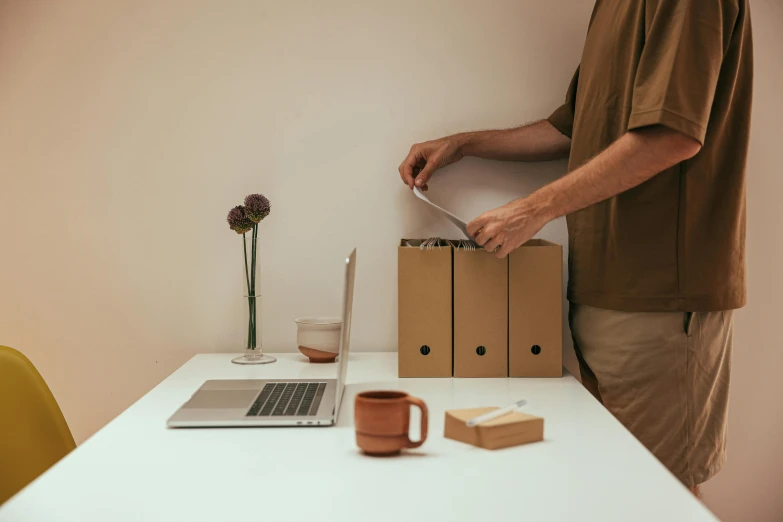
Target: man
[[656, 126]]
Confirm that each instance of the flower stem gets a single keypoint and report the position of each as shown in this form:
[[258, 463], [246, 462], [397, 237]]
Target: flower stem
[[249, 299], [247, 274], [253, 285]]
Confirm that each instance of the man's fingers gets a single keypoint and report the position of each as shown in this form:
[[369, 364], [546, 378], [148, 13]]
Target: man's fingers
[[407, 176], [426, 173], [493, 244], [483, 236], [507, 247], [503, 252], [490, 231], [406, 168], [476, 225], [406, 173], [424, 176]]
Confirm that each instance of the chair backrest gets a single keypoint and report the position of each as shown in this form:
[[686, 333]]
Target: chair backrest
[[34, 434]]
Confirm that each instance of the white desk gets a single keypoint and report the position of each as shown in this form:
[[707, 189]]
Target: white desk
[[588, 468]]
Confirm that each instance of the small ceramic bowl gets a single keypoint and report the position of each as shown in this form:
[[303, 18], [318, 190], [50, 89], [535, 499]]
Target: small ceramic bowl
[[318, 338]]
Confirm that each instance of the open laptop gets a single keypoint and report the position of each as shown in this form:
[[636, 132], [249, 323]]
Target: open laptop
[[277, 402]]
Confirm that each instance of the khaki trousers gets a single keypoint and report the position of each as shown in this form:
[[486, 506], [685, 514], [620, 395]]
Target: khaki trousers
[[665, 376]]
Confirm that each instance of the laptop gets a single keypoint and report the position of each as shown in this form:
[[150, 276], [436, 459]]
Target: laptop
[[274, 402]]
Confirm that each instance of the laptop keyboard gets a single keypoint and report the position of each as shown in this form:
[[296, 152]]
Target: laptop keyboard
[[288, 399]]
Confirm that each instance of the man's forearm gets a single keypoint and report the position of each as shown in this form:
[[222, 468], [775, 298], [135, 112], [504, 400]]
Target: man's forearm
[[630, 161], [538, 141]]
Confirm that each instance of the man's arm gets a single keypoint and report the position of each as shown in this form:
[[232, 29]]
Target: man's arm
[[630, 161], [539, 141], [536, 142]]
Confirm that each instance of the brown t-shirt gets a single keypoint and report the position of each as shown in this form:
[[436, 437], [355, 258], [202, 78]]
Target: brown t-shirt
[[677, 241]]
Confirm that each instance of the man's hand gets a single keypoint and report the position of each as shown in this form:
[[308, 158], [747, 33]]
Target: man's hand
[[425, 158], [505, 229], [539, 141]]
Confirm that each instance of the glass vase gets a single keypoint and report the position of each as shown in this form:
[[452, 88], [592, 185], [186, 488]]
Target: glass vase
[[252, 301]]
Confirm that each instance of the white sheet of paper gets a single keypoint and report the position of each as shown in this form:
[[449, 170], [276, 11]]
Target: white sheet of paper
[[451, 217]]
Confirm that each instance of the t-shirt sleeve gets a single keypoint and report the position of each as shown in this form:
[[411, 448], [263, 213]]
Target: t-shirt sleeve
[[563, 117], [678, 70]]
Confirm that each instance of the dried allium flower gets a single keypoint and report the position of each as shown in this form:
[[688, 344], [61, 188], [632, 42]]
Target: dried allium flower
[[238, 220], [257, 207]]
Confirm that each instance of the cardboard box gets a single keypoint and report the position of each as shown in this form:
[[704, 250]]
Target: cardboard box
[[480, 314], [424, 294], [509, 430], [536, 310]]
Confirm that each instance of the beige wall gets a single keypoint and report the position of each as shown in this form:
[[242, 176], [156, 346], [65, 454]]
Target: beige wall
[[129, 128]]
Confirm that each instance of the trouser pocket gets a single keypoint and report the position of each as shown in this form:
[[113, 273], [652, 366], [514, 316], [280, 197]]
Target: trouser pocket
[[688, 321]]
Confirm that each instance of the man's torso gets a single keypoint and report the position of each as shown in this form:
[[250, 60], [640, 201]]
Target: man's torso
[[676, 242]]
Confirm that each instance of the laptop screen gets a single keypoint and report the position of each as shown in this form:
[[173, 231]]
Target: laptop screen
[[345, 333]]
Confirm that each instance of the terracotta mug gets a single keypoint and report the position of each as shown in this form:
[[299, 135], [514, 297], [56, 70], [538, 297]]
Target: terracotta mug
[[382, 419]]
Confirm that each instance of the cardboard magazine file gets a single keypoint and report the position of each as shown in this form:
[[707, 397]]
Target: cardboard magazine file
[[424, 295], [480, 314], [535, 345]]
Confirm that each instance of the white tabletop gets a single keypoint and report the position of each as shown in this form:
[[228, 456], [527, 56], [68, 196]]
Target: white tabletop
[[588, 468]]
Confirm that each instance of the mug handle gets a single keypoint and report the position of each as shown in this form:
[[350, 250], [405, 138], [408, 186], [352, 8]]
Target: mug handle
[[413, 401]]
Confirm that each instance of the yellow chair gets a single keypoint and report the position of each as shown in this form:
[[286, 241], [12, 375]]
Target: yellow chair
[[34, 433]]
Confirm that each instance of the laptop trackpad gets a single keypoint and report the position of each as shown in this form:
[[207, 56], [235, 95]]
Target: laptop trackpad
[[222, 399]]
